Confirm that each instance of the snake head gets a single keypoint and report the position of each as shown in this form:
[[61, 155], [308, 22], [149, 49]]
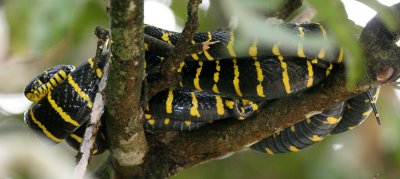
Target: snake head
[[40, 86]]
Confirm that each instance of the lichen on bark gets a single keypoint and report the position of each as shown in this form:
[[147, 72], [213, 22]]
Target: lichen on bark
[[124, 112]]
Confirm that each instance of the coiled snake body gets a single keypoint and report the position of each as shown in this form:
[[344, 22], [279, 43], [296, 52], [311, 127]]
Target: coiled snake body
[[232, 79]]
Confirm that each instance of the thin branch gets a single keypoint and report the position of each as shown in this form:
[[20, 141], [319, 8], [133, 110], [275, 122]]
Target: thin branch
[[289, 8], [182, 49], [91, 131], [94, 124], [164, 49]]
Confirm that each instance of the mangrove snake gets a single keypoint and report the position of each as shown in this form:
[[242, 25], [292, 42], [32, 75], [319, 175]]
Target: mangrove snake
[[232, 79]]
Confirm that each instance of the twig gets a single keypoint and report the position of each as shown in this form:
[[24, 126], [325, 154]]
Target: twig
[[94, 124], [158, 47], [164, 49], [182, 49], [288, 9], [91, 130]]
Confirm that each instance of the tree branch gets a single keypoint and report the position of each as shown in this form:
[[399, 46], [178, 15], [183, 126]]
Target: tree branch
[[83, 156], [124, 113], [164, 49], [182, 49], [171, 152], [286, 10]]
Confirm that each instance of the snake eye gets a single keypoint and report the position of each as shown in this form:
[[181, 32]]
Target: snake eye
[[40, 86]]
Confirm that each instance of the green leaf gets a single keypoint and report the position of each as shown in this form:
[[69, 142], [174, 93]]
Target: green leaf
[[89, 16], [179, 8], [37, 25], [334, 16], [17, 16]]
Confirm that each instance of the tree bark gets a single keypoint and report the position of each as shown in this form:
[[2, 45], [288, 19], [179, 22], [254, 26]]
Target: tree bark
[[124, 113]]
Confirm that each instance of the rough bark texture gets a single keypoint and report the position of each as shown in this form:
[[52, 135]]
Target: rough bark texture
[[85, 151], [123, 92], [286, 9], [170, 152], [182, 49]]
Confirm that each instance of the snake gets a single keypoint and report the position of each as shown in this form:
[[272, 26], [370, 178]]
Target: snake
[[225, 81]]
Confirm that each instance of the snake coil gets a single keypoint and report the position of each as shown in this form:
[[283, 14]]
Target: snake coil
[[225, 81]]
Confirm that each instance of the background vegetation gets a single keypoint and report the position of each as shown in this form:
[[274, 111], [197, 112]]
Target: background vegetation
[[38, 34]]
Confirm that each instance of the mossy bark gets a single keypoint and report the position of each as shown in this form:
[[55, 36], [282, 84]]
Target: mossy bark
[[124, 112]]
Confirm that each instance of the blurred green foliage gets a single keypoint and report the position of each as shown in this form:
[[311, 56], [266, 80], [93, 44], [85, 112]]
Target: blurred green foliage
[[336, 19], [63, 30], [38, 25]]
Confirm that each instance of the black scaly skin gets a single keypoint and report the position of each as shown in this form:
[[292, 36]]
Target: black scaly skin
[[266, 57], [305, 34], [273, 83], [157, 123], [301, 135], [182, 105], [43, 111], [241, 78], [152, 60], [242, 109], [50, 115], [77, 108], [356, 110], [191, 109], [75, 139], [46, 81]]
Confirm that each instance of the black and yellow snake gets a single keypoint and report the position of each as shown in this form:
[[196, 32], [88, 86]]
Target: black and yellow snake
[[232, 79]]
